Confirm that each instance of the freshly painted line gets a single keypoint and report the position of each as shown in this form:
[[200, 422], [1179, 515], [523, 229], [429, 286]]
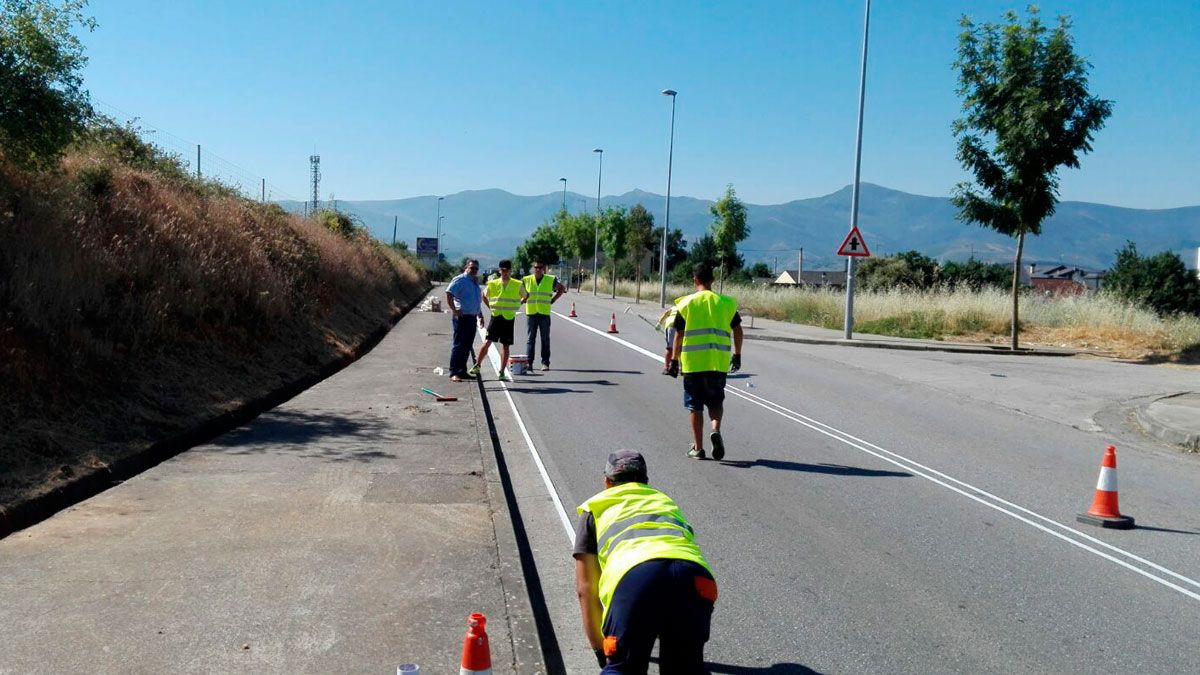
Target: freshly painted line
[[494, 358], [937, 477]]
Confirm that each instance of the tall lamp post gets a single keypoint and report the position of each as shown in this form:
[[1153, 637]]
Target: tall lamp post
[[848, 324], [437, 233], [662, 263], [564, 182], [596, 236]]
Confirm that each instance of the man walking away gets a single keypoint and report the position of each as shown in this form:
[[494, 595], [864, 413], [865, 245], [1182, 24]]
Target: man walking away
[[539, 290], [465, 290], [640, 576], [503, 299], [702, 350]]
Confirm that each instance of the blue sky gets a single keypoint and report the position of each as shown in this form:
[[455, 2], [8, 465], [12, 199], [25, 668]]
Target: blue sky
[[412, 98]]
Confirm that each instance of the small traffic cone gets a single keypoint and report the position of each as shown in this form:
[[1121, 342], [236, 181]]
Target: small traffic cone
[[476, 655], [612, 325], [1104, 511], [573, 314]]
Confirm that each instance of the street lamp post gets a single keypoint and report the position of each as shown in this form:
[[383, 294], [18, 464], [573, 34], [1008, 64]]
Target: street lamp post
[[437, 233], [596, 236], [564, 182], [662, 262], [848, 323]]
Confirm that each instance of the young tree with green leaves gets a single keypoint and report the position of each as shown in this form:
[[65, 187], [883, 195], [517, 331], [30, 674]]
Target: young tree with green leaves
[[43, 105], [614, 231], [728, 229], [578, 235], [640, 225], [544, 245], [1027, 112], [677, 249]]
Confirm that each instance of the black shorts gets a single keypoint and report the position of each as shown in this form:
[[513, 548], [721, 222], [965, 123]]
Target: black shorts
[[500, 330], [703, 389]]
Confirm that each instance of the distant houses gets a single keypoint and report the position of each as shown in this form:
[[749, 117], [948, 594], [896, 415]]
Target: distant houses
[[1064, 280], [831, 279]]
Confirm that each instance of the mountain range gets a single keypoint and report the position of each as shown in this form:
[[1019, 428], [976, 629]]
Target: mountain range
[[489, 224]]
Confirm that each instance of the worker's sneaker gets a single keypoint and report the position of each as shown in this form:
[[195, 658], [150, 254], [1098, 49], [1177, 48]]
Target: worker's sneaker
[[504, 377], [474, 371], [718, 445], [696, 453], [545, 367]]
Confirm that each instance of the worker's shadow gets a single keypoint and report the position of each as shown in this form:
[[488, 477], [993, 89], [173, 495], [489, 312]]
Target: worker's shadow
[[776, 669], [830, 469]]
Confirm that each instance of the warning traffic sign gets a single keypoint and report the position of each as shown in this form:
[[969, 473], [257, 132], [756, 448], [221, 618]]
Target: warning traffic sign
[[854, 245]]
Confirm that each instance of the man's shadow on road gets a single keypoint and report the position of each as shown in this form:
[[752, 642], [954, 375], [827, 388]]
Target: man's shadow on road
[[774, 669], [829, 469]]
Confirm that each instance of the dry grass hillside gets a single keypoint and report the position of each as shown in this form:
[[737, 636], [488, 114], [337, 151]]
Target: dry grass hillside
[[136, 303]]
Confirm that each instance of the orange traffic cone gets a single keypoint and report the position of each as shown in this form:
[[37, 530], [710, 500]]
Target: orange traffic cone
[[612, 325], [572, 314], [477, 655], [1104, 511]]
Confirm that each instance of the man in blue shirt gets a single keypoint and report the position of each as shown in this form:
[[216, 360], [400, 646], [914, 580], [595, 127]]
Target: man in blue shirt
[[464, 300]]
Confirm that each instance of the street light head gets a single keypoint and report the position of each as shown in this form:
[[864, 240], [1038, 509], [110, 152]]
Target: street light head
[[563, 179], [440, 198], [669, 92], [597, 150]]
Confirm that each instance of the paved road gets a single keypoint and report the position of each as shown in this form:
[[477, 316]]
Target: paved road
[[884, 511]]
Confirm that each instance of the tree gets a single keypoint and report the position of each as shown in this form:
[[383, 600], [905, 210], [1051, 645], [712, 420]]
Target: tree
[[677, 250], [1160, 282], [759, 270], [1027, 112], [640, 226], [728, 228], [578, 235], [43, 105], [543, 245], [973, 275], [614, 230]]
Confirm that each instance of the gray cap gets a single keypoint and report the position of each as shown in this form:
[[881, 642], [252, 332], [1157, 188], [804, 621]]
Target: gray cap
[[625, 464]]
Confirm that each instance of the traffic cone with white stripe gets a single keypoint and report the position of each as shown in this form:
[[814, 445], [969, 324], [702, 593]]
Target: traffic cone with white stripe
[[477, 654], [612, 325], [1104, 511], [573, 314]]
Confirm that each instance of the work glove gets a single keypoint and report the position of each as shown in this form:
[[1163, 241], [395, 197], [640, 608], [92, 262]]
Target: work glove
[[600, 657], [735, 364], [673, 369]]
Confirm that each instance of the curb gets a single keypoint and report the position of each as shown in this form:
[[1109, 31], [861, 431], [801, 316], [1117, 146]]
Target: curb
[[32, 511], [1189, 440], [917, 347]]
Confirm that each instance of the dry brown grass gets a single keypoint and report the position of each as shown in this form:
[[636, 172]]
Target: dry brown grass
[[131, 306]]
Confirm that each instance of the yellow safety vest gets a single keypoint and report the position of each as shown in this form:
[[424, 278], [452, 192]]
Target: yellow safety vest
[[504, 299], [707, 341], [636, 523], [540, 295]]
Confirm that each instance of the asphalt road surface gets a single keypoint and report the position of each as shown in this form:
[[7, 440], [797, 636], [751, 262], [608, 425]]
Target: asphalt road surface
[[888, 511]]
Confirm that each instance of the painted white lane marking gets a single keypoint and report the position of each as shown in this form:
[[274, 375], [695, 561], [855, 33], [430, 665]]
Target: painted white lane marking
[[941, 479], [494, 358]]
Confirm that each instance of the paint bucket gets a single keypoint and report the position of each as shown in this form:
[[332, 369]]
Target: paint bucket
[[518, 364]]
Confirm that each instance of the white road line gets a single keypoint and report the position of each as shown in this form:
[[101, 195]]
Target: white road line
[[494, 358], [937, 477]]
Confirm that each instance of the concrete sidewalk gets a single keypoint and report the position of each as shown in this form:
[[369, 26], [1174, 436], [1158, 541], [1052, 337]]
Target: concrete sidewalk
[[1174, 419], [349, 530]]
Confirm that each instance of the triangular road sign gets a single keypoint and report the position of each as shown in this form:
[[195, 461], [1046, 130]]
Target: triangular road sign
[[854, 245]]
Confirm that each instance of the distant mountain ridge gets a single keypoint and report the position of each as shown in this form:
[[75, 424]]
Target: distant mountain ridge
[[489, 224]]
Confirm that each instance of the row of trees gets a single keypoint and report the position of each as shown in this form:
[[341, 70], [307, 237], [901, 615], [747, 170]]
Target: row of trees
[[631, 244]]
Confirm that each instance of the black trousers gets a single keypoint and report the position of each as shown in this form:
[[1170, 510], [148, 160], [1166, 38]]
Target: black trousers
[[534, 324], [661, 600]]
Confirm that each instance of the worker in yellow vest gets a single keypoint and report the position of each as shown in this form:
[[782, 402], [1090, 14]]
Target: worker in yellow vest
[[640, 576], [708, 344], [503, 298], [538, 291]]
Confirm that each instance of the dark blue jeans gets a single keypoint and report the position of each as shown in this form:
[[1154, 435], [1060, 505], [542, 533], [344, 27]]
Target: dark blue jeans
[[661, 599], [464, 339], [535, 323]]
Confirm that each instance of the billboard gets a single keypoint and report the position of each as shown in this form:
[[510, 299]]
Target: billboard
[[427, 246]]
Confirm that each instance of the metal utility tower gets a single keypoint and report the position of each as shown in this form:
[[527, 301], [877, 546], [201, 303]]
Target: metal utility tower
[[314, 162]]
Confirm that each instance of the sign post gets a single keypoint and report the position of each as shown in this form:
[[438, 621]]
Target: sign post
[[427, 249], [862, 92]]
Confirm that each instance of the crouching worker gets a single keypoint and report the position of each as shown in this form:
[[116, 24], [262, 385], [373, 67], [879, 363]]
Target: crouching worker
[[640, 575]]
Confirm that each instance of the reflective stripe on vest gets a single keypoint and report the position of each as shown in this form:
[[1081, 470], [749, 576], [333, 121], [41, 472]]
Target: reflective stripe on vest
[[707, 340], [636, 523], [540, 295], [504, 299]]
